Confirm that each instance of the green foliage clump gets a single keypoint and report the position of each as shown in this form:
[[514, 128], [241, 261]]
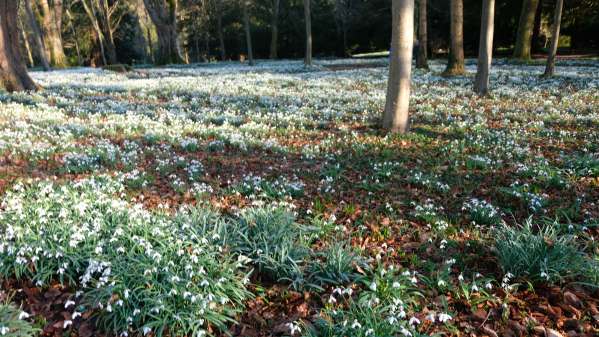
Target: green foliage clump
[[13, 322], [137, 270], [540, 256]]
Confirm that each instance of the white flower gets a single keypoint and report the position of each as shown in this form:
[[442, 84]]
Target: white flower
[[23, 315], [68, 303], [4, 330], [146, 330], [294, 328], [373, 286], [356, 324], [67, 324], [414, 321], [406, 332], [443, 317]]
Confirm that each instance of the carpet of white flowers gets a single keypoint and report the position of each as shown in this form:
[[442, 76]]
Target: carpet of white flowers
[[223, 199]]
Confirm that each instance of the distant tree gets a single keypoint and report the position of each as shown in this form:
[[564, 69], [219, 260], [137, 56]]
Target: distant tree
[[485, 48], [274, 29], [51, 11], [308, 22], [455, 64], [557, 19], [101, 14], [422, 55], [248, 33], [345, 11], [38, 38], [13, 72], [163, 14], [396, 115], [522, 48]]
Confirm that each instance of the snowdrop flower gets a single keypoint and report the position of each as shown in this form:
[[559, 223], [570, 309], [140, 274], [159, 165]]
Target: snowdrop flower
[[431, 317], [443, 317], [146, 330], [66, 324], [356, 324], [68, 303], [414, 321], [405, 332], [294, 328], [332, 300], [460, 277], [4, 330], [441, 283], [372, 286], [369, 332], [75, 315]]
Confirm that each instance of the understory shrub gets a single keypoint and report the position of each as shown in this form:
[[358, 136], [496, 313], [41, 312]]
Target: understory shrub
[[136, 270], [540, 256]]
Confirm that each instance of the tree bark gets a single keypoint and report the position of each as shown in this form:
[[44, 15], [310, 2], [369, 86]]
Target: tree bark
[[525, 27], [422, 56], [308, 21], [248, 32], [274, 30], [557, 18], [164, 16], [13, 72], [221, 38], [396, 115], [27, 46], [38, 39], [52, 23], [455, 64], [536, 31], [485, 48]]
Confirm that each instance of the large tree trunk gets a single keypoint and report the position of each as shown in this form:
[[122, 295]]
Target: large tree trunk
[[525, 27], [52, 23], [13, 72], [164, 16], [248, 32], [38, 39], [422, 56], [221, 38], [308, 21], [455, 64], [396, 113], [485, 48], [557, 18], [274, 30]]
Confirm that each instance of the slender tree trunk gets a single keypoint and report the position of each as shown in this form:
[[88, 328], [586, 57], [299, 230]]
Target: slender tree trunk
[[422, 56], [38, 39], [455, 64], [27, 47], [557, 18], [106, 27], [525, 27], [395, 118], [308, 21], [221, 38], [248, 32], [150, 44], [52, 22], [536, 31], [72, 26], [164, 16], [13, 72], [274, 30], [485, 48]]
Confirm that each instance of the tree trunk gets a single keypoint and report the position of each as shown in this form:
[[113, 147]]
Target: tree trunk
[[248, 32], [395, 118], [455, 64], [38, 39], [485, 48], [557, 18], [221, 38], [13, 72], [525, 27], [422, 56], [52, 23], [79, 58], [274, 30], [27, 46], [164, 16], [106, 28], [536, 31], [308, 21]]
